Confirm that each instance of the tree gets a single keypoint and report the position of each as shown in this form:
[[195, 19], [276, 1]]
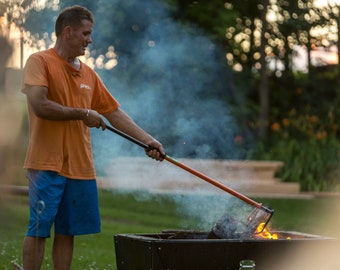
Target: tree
[[263, 84], [242, 30], [330, 18], [6, 51], [292, 27], [15, 12]]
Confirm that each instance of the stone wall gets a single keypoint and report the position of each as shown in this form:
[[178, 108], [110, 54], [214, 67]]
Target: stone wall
[[249, 177]]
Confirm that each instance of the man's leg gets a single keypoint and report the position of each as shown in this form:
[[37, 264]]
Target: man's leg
[[33, 252], [78, 214], [62, 252], [44, 199]]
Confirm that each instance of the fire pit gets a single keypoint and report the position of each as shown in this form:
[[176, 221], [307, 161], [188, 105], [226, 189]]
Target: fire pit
[[189, 250]]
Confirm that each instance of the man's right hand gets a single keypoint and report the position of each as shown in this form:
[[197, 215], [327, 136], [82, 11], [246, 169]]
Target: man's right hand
[[93, 119]]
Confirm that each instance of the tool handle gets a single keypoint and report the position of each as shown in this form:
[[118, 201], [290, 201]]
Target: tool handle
[[128, 137], [191, 170], [213, 182]]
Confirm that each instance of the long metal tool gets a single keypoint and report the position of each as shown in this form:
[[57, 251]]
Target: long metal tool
[[254, 220]]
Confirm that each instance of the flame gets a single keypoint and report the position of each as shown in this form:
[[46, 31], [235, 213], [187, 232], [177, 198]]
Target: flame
[[262, 232]]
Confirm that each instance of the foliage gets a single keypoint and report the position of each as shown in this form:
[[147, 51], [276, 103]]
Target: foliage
[[213, 17], [229, 23], [314, 164], [293, 27], [16, 11], [305, 130]]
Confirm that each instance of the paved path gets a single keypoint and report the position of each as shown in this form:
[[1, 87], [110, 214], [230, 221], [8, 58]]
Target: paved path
[[251, 178]]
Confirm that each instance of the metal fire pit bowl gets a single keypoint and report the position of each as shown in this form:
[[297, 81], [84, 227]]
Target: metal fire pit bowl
[[188, 250]]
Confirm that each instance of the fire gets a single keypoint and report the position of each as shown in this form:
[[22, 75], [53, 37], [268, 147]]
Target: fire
[[262, 232]]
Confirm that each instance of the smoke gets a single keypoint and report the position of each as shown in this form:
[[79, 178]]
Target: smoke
[[172, 80], [12, 140]]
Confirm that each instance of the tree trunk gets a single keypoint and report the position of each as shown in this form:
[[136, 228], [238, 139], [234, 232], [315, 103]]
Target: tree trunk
[[5, 54], [263, 84], [338, 45], [309, 56]]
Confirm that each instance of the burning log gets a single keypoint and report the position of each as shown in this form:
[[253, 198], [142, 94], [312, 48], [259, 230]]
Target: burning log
[[230, 227]]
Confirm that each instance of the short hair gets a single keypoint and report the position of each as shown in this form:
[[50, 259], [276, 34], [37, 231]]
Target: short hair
[[72, 16]]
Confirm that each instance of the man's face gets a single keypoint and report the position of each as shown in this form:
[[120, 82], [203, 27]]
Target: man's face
[[80, 38]]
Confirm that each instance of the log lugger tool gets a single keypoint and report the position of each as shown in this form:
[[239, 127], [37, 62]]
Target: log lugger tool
[[226, 227]]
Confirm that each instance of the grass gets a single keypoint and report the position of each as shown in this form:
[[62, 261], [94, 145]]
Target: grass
[[139, 213]]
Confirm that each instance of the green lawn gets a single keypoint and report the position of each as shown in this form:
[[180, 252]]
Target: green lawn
[[142, 213]]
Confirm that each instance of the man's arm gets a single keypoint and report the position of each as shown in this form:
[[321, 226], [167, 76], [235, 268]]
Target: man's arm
[[50, 110], [120, 120]]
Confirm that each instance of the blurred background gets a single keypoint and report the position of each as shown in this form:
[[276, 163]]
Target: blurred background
[[219, 83], [236, 80]]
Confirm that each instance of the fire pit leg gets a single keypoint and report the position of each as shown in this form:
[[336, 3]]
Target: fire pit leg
[[247, 265]]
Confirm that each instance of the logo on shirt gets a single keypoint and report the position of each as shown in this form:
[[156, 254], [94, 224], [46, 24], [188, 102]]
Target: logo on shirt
[[85, 86]]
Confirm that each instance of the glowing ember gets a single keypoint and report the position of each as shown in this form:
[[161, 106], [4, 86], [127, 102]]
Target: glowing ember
[[262, 232]]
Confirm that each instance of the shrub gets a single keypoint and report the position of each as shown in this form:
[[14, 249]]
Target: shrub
[[309, 148]]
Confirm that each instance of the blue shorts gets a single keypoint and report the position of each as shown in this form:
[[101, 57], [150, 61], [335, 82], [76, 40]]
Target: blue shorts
[[68, 204]]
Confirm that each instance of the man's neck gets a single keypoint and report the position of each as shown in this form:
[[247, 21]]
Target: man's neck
[[71, 59]]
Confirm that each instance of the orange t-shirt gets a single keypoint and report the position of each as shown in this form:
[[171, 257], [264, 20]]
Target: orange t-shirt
[[64, 146]]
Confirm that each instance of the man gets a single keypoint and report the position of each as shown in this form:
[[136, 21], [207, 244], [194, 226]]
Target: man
[[65, 98]]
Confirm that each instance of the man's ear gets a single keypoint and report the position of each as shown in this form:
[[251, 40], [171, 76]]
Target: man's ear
[[67, 31]]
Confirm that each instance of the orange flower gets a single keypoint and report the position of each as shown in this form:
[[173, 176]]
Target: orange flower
[[276, 127], [299, 91], [285, 122], [334, 127], [321, 135], [313, 119]]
